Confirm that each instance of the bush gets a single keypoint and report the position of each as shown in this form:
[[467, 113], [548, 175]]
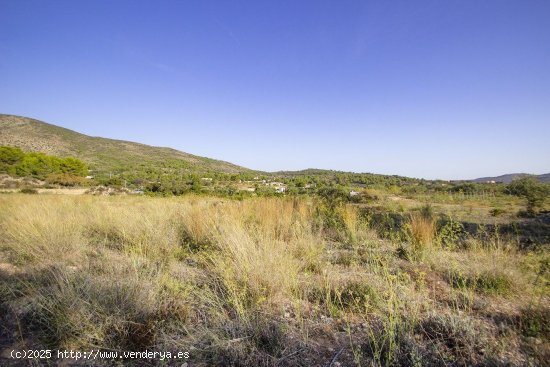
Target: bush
[[332, 212], [354, 295], [427, 211], [334, 196], [496, 212], [77, 310], [535, 322], [460, 340], [65, 179], [484, 282], [450, 233], [532, 190], [28, 190]]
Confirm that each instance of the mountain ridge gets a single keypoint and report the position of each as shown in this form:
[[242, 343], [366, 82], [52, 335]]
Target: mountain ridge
[[100, 153], [509, 177], [105, 154]]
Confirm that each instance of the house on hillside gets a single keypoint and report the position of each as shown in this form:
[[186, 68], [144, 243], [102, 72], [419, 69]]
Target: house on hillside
[[278, 186]]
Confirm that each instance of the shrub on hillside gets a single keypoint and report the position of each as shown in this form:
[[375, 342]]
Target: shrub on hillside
[[451, 233], [65, 179]]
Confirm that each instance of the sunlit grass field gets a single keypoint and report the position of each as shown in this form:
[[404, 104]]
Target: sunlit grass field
[[267, 282]]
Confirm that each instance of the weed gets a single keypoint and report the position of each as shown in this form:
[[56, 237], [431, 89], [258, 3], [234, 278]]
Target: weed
[[485, 282]]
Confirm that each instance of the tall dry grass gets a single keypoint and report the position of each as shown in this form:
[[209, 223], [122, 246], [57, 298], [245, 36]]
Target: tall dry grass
[[248, 253], [421, 231], [255, 282]]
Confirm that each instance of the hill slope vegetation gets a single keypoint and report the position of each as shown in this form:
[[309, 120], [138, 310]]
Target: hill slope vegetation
[[100, 153]]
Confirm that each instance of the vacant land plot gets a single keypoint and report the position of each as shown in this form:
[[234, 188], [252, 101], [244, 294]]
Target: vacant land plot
[[266, 282]]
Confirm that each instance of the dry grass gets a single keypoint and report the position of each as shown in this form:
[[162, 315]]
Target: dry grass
[[422, 230], [256, 283]]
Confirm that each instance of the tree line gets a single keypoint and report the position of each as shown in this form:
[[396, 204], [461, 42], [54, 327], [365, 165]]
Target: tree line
[[16, 162]]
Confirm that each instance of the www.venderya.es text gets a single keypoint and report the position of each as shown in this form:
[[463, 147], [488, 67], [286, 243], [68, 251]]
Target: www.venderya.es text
[[95, 354]]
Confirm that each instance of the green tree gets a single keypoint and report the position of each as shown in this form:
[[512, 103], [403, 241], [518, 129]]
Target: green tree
[[196, 184], [73, 166], [9, 158], [334, 196], [16, 162], [38, 165], [11, 155], [532, 190]]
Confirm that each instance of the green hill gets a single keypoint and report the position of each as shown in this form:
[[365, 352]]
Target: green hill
[[101, 154]]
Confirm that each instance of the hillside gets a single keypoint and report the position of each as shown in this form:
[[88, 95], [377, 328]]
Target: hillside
[[101, 154], [512, 176]]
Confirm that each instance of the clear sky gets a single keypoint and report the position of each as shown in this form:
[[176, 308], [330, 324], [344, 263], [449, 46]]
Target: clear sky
[[428, 88]]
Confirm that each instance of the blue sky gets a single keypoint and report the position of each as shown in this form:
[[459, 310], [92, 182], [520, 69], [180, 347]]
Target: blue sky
[[434, 89]]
